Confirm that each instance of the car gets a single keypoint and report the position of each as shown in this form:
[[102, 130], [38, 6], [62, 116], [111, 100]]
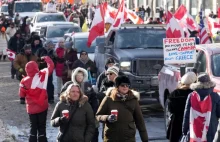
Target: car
[[41, 19], [80, 43], [4, 9], [56, 32], [208, 61], [27, 8], [138, 49]]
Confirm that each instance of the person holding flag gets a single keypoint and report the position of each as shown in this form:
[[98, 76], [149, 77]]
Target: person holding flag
[[33, 88]]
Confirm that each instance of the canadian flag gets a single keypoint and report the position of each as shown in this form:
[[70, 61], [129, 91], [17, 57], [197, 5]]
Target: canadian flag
[[110, 13], [11, 54], [169, 15], [133, 17], [98, 25], [174, 30], [38, 90]]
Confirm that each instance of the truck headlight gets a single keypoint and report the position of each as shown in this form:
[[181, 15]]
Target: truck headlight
[[126, 65]]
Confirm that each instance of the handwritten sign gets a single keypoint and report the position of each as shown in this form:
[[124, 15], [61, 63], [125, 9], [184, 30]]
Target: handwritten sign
[[179, 50]]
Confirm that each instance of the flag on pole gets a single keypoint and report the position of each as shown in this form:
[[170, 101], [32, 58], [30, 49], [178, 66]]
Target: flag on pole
[[11, 54], [204, 37]]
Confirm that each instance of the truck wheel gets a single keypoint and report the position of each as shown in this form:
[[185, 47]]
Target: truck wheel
[[166, 114]]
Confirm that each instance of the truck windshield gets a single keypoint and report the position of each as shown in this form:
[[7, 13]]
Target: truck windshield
[[81, 45], [216, 65], [4, 9], [49, 18], [59, 31], [139, 38], [28, 7]]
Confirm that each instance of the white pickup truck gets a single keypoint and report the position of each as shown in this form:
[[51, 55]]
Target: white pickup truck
[[208, 60]]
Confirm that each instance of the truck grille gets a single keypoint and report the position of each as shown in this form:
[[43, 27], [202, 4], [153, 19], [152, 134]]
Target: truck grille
[[146, 67]]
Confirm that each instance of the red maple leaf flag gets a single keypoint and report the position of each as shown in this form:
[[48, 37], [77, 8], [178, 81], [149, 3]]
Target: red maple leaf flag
[[174, 30], [97, 27], [39, 86], [11, 54], [169, 15], [110, 13], [191, 23], [181, 11], [133, 17]]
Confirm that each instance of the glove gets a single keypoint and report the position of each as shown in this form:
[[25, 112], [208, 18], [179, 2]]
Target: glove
[[63, 119], [111, 118], [21, 70]]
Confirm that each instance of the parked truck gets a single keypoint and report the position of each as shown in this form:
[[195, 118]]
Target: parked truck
[[208, 61]]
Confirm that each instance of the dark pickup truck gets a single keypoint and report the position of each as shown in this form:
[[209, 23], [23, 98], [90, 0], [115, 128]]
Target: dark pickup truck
[[138, 49]]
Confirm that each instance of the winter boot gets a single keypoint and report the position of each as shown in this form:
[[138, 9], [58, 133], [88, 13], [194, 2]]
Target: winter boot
[[42, 138], [22, 100], [32, 138]]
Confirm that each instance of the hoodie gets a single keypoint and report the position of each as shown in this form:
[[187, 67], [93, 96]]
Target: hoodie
[[25, 85]]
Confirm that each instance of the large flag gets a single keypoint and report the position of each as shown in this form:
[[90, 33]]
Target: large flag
[[97, 27], [174, 30], [11, 54], [38, 90], [134, 17], [204, 37]]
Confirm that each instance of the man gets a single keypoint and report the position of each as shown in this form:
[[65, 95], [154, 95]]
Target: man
[[148, 11], [109, 63], [86, 63], [20, 62], [36, 44], [16, 43], [48, 50]]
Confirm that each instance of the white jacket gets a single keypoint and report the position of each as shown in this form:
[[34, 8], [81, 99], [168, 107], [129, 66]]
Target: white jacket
[[10, 32]]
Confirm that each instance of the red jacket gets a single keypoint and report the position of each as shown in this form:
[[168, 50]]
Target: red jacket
[[60, 61], [32, 68]]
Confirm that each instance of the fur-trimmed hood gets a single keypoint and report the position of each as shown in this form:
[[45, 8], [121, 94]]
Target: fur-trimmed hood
[[74, 73], [82, 100], [135, 93], [200, 85]]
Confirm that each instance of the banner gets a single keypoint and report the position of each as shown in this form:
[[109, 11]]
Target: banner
[[179, 50]]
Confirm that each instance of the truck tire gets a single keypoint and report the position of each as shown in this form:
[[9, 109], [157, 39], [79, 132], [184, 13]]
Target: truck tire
[[166, 115]]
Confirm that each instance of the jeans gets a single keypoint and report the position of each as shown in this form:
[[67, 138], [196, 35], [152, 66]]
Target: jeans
[[38, 127], [59, 84], [50, 88]]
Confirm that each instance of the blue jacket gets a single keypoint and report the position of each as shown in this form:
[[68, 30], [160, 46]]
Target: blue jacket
[[215, 115]]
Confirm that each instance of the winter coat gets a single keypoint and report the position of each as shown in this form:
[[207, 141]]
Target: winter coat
[[217, 134], [82, 124], [21, 60], [129, 117], [89, 63], [25, 85], [44, 52], [71, 57], [16, 44], [35, 48], [176, 105], [60, 61], [215, 114]]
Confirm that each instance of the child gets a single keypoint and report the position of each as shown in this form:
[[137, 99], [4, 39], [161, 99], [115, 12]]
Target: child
[[33, 88]]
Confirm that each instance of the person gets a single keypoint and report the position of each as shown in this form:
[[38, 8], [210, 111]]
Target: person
[[15, 44], [109, 63], [148, 11], [60, 51], [36, 98], [10, 31], [151, 21], [161, 13], [122, 127], [80, 125], [24, 27], [48, 50], [176, 106], [196, 36], [70, 57], [36, 44], [33, 34], [17, 20], [85, 62], [80, 77], [202, 110]]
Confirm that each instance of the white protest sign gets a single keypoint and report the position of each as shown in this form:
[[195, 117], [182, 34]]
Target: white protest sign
[[179, 50]]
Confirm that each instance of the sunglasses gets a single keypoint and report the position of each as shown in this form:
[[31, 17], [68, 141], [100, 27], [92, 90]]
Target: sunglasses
[[124, 85], [109, 74]]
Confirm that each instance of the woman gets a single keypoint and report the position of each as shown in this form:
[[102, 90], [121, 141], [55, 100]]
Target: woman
[[176, 105], [202, 110], [70, 57], [80, 125], [122, 127]]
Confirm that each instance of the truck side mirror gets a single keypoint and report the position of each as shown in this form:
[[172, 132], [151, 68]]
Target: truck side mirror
[[101, 48]]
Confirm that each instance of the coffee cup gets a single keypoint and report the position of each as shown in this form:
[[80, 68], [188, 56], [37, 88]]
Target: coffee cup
[[65, 113], [115, 112]]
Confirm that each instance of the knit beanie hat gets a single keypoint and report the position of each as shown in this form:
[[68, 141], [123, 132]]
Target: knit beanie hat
[[83, 52], [27, 46], [122, 79], [109, 61], [113, 69], [188, 78]]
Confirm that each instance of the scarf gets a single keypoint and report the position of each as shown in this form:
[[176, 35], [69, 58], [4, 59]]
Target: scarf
[[122, 97], [200, 115]]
